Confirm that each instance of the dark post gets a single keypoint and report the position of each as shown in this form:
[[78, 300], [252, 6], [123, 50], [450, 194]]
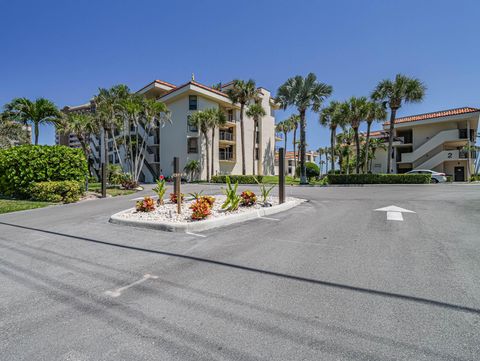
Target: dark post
[[104, 157], [281, 175], [176, 185]]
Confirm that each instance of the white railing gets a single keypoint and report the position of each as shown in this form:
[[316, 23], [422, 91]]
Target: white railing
[[437, 140], [438, 158]]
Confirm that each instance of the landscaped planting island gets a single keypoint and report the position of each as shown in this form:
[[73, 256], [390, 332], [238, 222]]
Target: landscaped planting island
[[165, 216]]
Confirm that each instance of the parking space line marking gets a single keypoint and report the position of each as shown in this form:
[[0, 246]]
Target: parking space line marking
[[270, 219], [196, 234], [118, 291]]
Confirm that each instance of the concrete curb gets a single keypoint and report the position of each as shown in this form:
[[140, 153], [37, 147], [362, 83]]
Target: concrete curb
[[206, 224]]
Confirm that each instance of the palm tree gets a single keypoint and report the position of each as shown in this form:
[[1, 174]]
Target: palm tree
[[375, 112], [284, 127], [332, 117], [256, 112], [303, 93], [83, 126], [40, 111], [393, 93], [11, 132], [294, 121], [243, 92], [356, 113], [201, 120], [345, 140], [192, 168], [374, 144], [215, 118]]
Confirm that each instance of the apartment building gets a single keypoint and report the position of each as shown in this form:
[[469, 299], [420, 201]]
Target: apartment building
[[441, 141], [310, 156], [183, 140]]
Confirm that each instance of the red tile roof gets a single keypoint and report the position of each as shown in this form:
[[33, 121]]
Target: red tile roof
[[439, 114]]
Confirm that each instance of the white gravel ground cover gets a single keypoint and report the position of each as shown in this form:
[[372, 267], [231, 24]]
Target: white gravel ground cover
[[168, 211]]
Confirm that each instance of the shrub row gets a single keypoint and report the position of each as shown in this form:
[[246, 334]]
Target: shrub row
[[24, 165], [56, 191], [241, 179], [379, 178]]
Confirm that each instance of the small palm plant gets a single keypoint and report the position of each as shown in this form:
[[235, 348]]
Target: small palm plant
[[265, 191], [233, 199], [160, 189]]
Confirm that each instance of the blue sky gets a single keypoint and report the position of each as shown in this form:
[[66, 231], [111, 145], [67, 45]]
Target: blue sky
[[65, 50]]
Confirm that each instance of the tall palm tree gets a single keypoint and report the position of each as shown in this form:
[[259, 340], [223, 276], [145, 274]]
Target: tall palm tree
[[375, 112], [284, 127], [294, 121], [83, 126], [215, 118], [256, 112], [394, 93], [243, 92], [201, 120], [192, 168], [356, 113], [303, 93], [332, 116], [345, 140], [40, 111], [321, 162]]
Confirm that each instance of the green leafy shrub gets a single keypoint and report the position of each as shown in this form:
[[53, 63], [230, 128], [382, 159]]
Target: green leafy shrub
[[160, 189], [241, 179], [233, 199], [248, 198], [115, 174], [24, 165], [265, 191], [379, 178], [145, 205], [311, 168], [473, 178], [56, 191], [201, 209], [128, 182]]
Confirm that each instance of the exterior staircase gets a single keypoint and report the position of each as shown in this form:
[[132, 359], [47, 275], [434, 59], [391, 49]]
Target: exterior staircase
[[431, 144]]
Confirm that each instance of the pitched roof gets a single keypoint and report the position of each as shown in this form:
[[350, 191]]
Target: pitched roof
[[192, 82], [439, 114]]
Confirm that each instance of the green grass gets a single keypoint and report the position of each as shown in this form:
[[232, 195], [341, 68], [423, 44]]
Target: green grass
[[111, 190], [14, 205]]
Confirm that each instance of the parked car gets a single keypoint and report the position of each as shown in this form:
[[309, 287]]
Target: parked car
[[436, 176]]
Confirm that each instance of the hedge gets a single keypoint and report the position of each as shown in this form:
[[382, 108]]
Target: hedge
[[312, 170], [56, 191], [24, 165], [379, 178], [241, 179]]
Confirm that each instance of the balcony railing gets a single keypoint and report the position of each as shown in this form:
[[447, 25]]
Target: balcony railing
[[225, 155], [226, 136]]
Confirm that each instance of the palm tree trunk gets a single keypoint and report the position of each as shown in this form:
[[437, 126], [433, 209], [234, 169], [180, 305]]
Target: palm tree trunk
[[367, 144], [348, 161], [206, 154], [104, 163], [357, 151], [303, 171], [294, 150], [242, 136], [332, 147], [213, 151], [254, 144], [393, 112], [36, 132]]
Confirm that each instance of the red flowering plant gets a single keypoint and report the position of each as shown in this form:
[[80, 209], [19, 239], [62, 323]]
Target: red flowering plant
[[173, 197], [145, 205], [209, 199], [200, 209], [248, 198]]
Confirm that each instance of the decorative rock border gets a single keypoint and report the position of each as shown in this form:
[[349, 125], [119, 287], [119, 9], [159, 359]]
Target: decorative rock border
[[203, 225]]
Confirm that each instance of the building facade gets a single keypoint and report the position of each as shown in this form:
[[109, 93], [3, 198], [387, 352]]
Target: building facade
[[442, 141], [180, 139], [291, 159]]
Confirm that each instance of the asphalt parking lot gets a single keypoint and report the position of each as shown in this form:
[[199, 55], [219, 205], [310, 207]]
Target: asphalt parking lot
[[332, 279]]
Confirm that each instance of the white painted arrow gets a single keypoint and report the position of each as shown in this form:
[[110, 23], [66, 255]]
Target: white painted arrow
[[394, 213]]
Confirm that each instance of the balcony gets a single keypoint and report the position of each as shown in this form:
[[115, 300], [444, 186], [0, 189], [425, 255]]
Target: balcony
[[226, 155], [226, 137]]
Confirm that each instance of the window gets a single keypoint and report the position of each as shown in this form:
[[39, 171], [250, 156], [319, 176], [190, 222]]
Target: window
[[191, 128], [230, 115], [192, 102], [110, 158], [192, 145]]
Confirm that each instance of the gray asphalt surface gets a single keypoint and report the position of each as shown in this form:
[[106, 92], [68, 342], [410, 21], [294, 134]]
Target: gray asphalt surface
[[330, 280]]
